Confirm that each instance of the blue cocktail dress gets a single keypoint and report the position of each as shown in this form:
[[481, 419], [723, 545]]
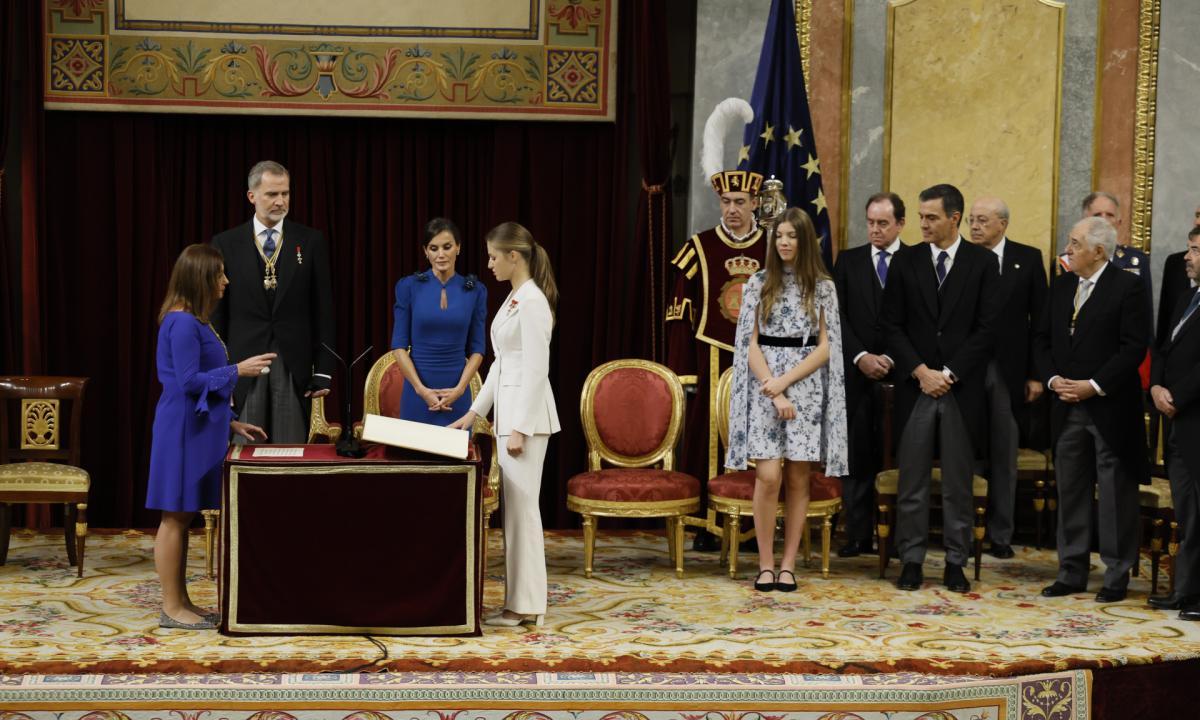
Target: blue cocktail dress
[[191, 421], [438, 340]]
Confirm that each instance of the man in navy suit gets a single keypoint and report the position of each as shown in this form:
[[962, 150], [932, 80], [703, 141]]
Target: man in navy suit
[[860, 275], [1011, 381], [1091, 339], [280, 300], [1175, 389], [940, 304]]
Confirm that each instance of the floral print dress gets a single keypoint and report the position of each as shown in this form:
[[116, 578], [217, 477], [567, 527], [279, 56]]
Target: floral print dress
[[818, 432]]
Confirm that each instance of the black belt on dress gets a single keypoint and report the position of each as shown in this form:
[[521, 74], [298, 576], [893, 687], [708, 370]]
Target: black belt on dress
[[773, 341]]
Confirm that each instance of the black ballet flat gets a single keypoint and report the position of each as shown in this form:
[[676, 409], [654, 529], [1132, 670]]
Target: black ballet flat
[[781, 586], [765, 586]]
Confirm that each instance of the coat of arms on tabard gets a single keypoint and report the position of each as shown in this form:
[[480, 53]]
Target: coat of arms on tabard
[[740, 269]]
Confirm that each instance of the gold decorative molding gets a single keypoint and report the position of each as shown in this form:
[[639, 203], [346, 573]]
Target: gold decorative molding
[[847, 83], [39, 424], [803, 12], [1143, 129]]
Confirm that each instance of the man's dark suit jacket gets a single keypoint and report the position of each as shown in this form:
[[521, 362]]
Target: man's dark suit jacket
[[1176, 366], [299, 319], [1023, 284], [860, 298], [953, 328], [1175, 284], [1108, 345]]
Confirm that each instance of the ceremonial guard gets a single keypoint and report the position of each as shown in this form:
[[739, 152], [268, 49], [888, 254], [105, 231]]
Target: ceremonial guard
[[710, 272]]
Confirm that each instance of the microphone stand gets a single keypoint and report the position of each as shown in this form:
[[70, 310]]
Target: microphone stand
[[347, 444]]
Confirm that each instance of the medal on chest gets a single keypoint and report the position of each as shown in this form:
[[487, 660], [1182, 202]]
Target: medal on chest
[[270, 277], [729, 299]]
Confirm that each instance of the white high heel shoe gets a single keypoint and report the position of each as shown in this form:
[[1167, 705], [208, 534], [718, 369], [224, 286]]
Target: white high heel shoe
[[502, 620]]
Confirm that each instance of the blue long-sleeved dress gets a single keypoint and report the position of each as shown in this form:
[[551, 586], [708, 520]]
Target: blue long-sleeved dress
[[439, 341], [191, 421]]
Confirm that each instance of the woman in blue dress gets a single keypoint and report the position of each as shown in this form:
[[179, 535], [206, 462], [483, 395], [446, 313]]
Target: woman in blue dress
[[438, 333], [192, 423]]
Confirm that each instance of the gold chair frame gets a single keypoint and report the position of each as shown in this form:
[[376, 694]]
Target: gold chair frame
[[663, 455], [734, 509]]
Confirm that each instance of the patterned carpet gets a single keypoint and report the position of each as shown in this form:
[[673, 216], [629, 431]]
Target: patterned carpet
[[632, 615]]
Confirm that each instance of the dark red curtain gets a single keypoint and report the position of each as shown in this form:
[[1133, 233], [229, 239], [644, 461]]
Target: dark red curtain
[[126, 192]]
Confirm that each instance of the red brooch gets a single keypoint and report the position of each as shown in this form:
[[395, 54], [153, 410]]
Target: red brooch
[[299, 256], [512, 305]]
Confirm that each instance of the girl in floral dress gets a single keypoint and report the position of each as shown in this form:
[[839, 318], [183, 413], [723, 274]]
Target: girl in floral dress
[[787, 408]]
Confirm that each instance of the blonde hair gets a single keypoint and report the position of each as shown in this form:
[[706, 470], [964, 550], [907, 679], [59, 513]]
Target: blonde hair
[[513, 237], [807, 266], [193, 283]]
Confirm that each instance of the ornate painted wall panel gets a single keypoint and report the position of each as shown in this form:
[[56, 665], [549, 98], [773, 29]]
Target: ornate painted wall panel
[[973, 98], [517, 59]]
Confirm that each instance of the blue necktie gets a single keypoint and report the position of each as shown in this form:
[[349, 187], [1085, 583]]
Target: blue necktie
[[943, 256], [269, 242], [881, 267], [1191, 308]]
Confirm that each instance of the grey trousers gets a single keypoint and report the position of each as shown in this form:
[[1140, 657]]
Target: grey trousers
[[1001, 467], [933, 424], [273, 405], [1084, 462], [1186, 499]]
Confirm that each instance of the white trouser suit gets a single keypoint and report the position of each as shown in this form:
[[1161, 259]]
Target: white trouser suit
[[518, 385]]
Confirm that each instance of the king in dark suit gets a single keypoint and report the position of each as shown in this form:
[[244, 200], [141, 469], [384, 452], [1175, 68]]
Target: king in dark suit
[[1090, 340], [1175, 389], [860, 275], [1011, 381], [939, 307], [280, 300]]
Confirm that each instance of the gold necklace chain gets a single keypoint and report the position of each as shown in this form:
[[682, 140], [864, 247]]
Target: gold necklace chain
[[218, 335]]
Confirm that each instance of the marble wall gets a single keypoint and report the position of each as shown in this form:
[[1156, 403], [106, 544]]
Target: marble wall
[[1176, 127]]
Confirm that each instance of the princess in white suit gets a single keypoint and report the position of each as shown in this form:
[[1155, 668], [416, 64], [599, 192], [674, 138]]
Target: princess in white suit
[[518, 389]]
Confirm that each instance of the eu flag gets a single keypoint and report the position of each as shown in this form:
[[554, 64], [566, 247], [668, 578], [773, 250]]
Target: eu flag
[[780, 140]]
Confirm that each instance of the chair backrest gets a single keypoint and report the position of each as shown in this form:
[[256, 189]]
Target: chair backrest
[[719, 405], [384, 385], [40, 418], [632, 413]]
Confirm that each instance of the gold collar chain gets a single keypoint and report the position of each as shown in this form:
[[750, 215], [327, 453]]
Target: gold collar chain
[[270, 279]]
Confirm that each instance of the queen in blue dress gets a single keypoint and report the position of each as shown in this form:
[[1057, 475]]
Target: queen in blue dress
[[438, 332], [192, 422]]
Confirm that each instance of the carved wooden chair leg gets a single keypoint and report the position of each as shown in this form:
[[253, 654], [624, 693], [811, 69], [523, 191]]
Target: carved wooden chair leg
[[733, 528], [885, 530], [679, 547], [1172, 551], [1039, 509], [69, 518], [980, 528], [806, 542], [1052, 514], [589, 543], [210, 526], [826, 541], [1158, 529], [81, 531], [671, 541], [725, 540]]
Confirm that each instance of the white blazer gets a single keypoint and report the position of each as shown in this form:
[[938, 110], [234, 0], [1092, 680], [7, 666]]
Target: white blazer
[[518, 382]]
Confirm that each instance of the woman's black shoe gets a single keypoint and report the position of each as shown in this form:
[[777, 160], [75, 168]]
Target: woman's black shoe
[[765, 586], [785, 587]]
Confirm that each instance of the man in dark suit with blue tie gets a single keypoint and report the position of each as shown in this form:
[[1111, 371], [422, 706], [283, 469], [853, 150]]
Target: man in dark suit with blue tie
[[1175, 389], [280, 300], [940, 304], [1011, 380], [860, 275], [1090, 341]]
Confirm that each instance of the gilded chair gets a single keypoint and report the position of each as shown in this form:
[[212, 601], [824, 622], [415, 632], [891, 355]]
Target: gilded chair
[[732, 494], [632, 413], [1037, 467], [886, 486], [40, 422]]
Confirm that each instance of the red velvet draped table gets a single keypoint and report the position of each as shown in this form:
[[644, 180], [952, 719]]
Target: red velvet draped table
[[388, 544]]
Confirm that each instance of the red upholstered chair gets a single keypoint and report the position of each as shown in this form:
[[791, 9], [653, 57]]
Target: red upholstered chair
[[732, 494], [632, 412], [40, 420]]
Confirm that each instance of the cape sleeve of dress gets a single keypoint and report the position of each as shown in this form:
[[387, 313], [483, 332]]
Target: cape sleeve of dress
[[833, 423], [207, 386], [739, 392]]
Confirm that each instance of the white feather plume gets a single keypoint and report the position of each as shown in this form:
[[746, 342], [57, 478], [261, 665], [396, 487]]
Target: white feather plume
[[727, 113]]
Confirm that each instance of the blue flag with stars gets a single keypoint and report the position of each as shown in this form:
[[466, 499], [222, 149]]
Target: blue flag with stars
[[779, 141]]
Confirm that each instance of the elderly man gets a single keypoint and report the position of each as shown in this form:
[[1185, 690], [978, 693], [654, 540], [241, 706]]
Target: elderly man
[[939, 305], [1011, 380], [860, 275], [1175, 389], [280, 300], [1091, 339]]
